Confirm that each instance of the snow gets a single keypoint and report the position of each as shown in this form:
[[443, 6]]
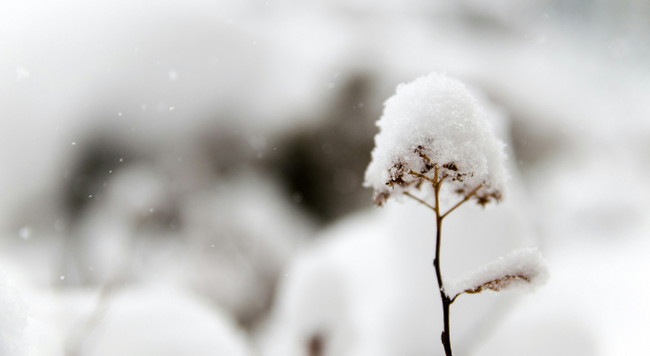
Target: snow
[[574, 79], [13, 319], [521, 269], [162, 320], [435, 121]]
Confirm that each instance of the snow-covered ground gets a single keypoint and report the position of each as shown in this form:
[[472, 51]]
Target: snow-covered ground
[[184, 177]]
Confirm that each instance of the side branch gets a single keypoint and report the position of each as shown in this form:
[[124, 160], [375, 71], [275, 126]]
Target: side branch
[[462, 201], [494, 285], [422, 176], [419, 200]]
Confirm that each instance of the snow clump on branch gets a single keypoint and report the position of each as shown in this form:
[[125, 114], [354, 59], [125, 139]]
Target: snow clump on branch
[[521, 269], [435, 124]]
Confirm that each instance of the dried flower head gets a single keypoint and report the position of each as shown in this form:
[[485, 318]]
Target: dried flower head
[[434, 123]]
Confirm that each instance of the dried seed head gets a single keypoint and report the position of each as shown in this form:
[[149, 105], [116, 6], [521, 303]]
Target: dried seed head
[[434, 124]]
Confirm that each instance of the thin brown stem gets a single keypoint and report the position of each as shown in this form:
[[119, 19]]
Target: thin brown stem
[[419, 200], [462, 201]]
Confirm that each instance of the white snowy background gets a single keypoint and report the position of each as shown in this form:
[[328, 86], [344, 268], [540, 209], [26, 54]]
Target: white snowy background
[[184, 177]]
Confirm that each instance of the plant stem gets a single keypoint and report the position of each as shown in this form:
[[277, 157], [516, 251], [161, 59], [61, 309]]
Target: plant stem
[[446, 302]]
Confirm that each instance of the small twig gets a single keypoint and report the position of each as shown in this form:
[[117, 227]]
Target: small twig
[[419, 200], [422, 176], [462, 201], [426, 158]]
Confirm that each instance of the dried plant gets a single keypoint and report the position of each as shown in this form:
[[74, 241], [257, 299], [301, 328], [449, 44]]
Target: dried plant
[[433, 134]]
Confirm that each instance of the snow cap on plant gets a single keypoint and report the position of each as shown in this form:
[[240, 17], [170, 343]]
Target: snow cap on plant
[[434, 123]]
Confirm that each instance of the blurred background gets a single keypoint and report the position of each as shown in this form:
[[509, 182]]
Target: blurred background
[[185, 177]]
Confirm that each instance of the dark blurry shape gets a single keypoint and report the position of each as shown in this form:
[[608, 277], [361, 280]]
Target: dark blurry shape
[[534, 143], [485, 22], [84, 184], [227, 149], [239, 235], [89, 199], [316, 345], [86, 181], [322, 168], [161, 219], [325, 166]]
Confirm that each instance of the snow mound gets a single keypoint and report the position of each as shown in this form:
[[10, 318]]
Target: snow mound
[[164, 320]]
